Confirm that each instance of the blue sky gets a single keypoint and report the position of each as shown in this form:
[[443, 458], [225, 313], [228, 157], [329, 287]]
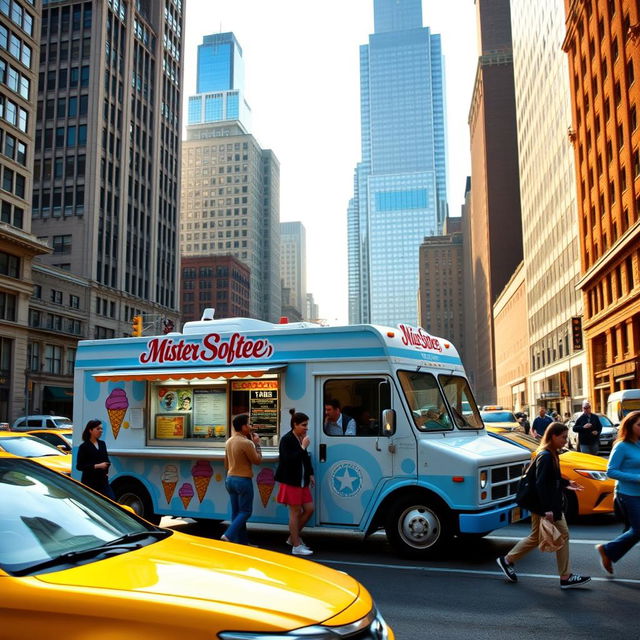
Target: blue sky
[[302, 83]]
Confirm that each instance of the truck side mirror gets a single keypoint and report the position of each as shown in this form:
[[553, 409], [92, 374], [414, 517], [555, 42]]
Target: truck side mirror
[[388, 422]]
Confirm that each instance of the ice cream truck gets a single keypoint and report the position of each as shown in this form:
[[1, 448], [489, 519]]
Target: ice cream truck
[[420, 464]]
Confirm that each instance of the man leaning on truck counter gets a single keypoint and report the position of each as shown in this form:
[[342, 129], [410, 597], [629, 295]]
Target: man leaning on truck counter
[[337, 423]]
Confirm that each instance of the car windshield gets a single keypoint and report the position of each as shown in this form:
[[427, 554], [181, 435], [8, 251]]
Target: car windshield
[[498, 416], [45, 515], [61, 423], [28, 447], [604, 421]]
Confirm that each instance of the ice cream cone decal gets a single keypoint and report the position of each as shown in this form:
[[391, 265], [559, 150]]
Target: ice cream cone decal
[[169, 481], [186, 493], [266, 482], [116, 405], [201, 473]]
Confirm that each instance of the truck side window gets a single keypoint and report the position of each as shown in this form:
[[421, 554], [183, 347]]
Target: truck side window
[[425, 401], [361, 400], [463, 407]]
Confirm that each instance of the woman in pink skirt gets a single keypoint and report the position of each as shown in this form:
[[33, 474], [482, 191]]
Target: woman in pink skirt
[[295, 475]]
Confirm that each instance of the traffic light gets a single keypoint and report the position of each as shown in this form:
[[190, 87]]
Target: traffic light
[[576, 333], [136, 326]]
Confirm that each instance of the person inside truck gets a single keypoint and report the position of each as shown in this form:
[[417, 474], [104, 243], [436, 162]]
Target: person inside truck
[[337, 423]]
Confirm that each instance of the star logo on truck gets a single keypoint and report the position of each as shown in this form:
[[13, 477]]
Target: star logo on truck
[[346, 480]]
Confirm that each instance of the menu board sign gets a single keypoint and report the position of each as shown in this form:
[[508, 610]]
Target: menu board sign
[[171, 427], [210, 413]]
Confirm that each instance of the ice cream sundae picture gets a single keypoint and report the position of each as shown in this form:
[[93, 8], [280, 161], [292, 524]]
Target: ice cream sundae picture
[[116, 405]]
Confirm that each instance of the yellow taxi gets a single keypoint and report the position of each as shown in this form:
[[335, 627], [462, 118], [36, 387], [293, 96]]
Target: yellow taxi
[[502, 419], [74, 560], [59, 438], [26, 446], [587, 470]]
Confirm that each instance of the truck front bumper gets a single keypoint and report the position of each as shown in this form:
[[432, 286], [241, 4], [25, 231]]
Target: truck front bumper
[[486, 521]]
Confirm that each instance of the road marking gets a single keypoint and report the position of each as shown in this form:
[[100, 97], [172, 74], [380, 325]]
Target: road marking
[[376, 565], [516, 538]]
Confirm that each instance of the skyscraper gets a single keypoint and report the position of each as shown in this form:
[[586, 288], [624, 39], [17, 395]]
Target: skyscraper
[[293, 264], [220, 82], [400, 183], [230, 185]]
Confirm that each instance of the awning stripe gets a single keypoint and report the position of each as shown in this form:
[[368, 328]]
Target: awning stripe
[[213, 373]]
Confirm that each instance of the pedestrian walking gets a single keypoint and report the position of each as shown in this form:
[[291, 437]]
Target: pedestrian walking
[[93, 459], [624, 467], [588, 427], [241, 452], [550, 488], [541, 422], [295, 475]]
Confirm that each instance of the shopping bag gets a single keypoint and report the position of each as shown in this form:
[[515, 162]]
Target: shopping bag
[[549, 538]]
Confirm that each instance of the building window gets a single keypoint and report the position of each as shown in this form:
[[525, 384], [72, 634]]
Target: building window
[[71, 361], [56, 296], [52, 358], [74, 302], [9, 265], [62, 244], [33, 356], [7, 306]]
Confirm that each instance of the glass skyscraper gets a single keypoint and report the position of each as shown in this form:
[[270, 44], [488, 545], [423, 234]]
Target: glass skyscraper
[[220, 83], [400, 183]]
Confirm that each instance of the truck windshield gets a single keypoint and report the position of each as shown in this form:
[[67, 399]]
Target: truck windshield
[[463, 406], [425, 401]]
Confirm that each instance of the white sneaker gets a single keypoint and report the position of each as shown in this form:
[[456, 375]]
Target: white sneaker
[[290, 543], [301, 550]]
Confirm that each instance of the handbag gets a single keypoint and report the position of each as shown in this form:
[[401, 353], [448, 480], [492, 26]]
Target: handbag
[[549, 537]]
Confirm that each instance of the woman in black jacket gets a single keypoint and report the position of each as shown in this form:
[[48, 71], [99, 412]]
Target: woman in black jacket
[[550, 486], [93, 460], [295, 475]]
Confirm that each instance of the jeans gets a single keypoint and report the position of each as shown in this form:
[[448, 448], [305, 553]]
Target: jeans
[[618, 547], [240, 491], [593, 448]]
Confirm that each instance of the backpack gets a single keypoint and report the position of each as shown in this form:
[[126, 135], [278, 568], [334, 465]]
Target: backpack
[[527, 494]]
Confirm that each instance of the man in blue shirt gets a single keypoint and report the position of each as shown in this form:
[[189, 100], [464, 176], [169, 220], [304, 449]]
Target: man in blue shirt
[[541, 423]]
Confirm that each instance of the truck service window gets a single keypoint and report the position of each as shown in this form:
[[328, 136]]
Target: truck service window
[[428, 408]]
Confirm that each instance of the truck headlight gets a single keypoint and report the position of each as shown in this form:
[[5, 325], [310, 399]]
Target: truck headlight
[[371, 627], [593, 475], [484, 477]]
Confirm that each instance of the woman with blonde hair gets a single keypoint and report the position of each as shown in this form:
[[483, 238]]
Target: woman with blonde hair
[[550, 486], [624, 467]]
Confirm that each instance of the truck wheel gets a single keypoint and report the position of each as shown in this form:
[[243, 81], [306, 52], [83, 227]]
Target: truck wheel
[[134, 495], [416, 528]]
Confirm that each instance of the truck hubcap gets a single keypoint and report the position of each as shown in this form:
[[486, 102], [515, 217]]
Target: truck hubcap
[[419, 526]]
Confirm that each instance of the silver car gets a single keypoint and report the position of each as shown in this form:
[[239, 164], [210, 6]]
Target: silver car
[[607, 436]]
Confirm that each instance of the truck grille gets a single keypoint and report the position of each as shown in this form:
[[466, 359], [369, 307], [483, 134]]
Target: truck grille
[[504, 480]]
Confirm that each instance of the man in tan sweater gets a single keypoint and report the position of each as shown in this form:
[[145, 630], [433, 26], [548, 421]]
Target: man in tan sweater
[[241, 451]]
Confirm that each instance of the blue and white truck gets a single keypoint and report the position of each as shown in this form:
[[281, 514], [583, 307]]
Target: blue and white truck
[[420, 464]]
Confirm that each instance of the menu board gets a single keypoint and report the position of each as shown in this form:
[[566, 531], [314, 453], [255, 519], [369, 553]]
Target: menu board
[[171, 426], [264, 409], [210, 413]]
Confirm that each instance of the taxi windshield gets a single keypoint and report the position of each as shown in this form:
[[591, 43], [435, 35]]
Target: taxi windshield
[[28, 447], [498, 416], [48, 522]]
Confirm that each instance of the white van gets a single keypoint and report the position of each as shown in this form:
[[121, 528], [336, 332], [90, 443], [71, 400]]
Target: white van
[[620, 403], [29, 423]]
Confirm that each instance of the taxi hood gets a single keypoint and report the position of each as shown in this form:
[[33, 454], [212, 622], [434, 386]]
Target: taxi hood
[[280, 590]]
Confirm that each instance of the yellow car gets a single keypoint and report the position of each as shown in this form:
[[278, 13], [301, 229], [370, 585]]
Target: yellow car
[[587, 470], [59, 438], [71, 559], [504, 420], [26, 446]]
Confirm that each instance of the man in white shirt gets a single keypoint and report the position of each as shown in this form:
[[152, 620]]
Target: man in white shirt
[[337, 423]]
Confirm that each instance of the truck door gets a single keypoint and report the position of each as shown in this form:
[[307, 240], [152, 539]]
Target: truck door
[[352, 458]]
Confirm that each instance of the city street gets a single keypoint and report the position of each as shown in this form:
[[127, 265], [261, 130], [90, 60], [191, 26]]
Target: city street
[[464, 594]]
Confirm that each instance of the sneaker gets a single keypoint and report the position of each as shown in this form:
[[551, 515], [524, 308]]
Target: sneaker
[[604, 559], [574, 580], [290, 543], [301, 550], [508, 569]]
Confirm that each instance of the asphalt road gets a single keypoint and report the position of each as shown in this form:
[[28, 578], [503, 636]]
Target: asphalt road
[[463, 594]]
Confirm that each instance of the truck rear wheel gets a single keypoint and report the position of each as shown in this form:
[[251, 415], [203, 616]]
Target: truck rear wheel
[[134, 495], [416, 527]]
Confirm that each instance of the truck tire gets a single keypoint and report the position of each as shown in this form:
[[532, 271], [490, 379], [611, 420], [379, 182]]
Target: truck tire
[[418, 528], [134, 495]]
